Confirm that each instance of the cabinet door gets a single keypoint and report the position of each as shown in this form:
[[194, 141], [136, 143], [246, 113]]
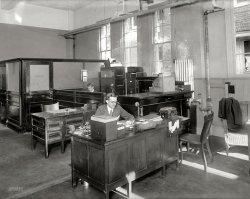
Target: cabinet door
[[154, 148], [117, 160], [138, 155], [96, 164], [79, 156]]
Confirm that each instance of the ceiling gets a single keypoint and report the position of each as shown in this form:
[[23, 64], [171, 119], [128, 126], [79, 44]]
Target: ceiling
[[69, 4], [57, 4]]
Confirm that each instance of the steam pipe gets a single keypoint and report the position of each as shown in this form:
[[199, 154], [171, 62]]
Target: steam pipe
[[206, 56]]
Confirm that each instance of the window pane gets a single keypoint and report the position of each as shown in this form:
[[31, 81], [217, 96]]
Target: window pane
[[167, 51], [133, 56], [108, 30], [108, 43], [103, 44], [103, 31], [108, 54], [160, 52], [166, 33], [247, 46]]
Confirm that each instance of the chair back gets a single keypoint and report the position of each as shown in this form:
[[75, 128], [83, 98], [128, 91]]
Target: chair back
[[208, 119], [50, 107]]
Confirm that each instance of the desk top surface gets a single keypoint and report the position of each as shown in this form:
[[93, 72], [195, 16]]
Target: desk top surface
[[154, 94], [61, 112]]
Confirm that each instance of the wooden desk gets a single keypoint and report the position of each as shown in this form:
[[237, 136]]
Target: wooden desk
[[152, 102], [108, 165], [52, 127]]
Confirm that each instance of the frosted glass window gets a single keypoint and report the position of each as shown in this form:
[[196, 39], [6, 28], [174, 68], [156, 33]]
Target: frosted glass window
[[39, 77], [67, 75], [13, 76]]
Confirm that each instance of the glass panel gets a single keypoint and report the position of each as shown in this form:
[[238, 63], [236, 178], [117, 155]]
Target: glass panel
[[103, 31], [127, 56], [167, 51], [13, 76], [166, 33], [108, 54], [67, 75], [133, 56], [108, 43], [103, 44], [3, 77], [108, 30], [39, 77], [103, 55], [160, 52]]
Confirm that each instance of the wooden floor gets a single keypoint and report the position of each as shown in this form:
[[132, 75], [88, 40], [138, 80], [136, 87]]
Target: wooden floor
[[27, 174]]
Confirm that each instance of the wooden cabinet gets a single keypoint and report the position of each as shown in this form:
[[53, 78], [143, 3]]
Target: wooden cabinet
[[108, 165]]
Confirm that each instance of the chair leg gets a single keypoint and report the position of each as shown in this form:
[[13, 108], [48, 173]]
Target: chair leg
[[227, 148], [204, 158], [209, 152], [181, 151]]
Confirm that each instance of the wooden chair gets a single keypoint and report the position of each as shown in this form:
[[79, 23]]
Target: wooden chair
[[200, 140]]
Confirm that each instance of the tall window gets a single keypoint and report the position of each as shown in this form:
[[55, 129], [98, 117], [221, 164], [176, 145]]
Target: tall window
[[242, 32], [162, 41], [243, 55], [105, 44], [130, 41]]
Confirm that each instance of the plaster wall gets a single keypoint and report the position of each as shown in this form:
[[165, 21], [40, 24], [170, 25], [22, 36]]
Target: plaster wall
[[22, 41]]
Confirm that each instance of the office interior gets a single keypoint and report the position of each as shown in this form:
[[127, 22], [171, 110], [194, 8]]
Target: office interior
[[50, 50]]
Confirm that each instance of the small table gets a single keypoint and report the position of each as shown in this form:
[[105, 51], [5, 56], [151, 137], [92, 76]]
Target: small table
[[51, 127]]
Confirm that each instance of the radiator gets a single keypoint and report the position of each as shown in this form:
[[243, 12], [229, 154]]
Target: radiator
[[184, 71]]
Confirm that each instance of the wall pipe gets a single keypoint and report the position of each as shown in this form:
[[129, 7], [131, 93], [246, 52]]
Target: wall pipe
[[206, 56]]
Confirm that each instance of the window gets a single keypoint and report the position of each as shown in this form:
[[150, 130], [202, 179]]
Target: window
[[241, 2], [162, 41], [130, 41], [243, 55], [242, 32], [105, 44]]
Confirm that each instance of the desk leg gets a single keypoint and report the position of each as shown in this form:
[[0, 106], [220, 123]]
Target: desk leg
[[46, 150], [164, 169], [129, 189], [62, 146], [46, 141]]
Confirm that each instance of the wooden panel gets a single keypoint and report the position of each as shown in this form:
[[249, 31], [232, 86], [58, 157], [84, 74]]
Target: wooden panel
[[117, 162], [154, 152], [80, 158], [96, 164], [138, 155]]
